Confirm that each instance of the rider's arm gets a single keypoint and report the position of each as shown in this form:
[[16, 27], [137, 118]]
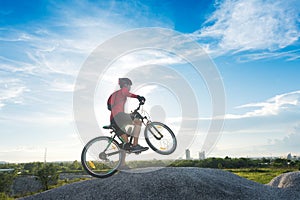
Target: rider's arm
[[126, 93]]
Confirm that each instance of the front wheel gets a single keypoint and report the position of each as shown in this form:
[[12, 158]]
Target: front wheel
[[101, 157], [160, 138]]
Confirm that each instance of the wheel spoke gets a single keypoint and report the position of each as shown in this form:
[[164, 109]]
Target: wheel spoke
[[101, 157]]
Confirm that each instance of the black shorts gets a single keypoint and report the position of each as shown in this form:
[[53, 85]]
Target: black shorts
[[120, 121]]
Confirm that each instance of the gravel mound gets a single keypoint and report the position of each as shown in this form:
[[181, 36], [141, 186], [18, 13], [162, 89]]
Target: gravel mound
[[171, 183], [289, 180]]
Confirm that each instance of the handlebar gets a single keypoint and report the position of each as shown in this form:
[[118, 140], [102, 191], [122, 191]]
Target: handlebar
[[136, 114], [141, 103]]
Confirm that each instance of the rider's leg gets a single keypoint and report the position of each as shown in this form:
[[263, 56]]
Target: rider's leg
[[125, 138], [136, 131], [126, 145]]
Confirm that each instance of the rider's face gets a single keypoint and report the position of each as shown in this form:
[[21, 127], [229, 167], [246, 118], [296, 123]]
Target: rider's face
[[128, 87]]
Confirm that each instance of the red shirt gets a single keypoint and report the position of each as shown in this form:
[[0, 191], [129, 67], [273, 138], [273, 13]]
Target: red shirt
[[120, 100]]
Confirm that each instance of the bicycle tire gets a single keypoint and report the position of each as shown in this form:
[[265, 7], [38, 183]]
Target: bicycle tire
[[92, 157], [162, 145]]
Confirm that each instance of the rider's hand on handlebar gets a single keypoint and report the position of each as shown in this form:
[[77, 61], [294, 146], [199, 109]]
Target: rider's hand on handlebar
[[141, 99]]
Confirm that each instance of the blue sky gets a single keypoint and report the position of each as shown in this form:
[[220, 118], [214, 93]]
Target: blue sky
[[254, 45]]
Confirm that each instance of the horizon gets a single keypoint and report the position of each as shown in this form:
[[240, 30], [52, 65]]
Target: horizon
[[254, 46], [3, 162]]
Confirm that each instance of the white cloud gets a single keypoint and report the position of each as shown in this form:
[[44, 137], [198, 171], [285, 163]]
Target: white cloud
[[11, 91], [13, 66], [290, 142], [56, 149], [148, 57], [268, 146], [259, 142], [288, 55], [43, 118], [53, 48], [239, 25], [59, 45], [273, 106], [44, 56], [61, 86]]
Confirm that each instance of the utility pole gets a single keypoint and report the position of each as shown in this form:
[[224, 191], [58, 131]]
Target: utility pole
[[45, 156]]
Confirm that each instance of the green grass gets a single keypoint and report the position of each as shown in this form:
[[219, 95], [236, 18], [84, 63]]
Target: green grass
[[4, 196], [260, 175]]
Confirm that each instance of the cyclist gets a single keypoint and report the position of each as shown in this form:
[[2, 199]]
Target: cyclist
[[120, 119]]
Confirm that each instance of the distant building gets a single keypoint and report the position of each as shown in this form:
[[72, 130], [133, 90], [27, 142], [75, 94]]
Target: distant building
[[202, 155], [187, 154], [289, 156]]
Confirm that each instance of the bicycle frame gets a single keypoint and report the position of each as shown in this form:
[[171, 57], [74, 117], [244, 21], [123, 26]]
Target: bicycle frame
[[144, 120]]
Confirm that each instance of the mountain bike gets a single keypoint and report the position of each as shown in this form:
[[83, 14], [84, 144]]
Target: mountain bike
[[101, 157]]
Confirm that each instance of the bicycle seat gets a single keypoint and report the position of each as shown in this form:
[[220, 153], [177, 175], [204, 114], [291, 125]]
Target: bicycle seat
[[108, 126]]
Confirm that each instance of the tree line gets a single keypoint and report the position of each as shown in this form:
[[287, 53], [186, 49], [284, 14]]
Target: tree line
[[235, 163]]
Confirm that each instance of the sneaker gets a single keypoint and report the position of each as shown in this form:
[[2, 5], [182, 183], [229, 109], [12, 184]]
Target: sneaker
[[138, 148], [126, 146]]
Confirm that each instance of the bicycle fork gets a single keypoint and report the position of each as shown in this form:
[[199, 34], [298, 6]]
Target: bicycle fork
[[157, 135]]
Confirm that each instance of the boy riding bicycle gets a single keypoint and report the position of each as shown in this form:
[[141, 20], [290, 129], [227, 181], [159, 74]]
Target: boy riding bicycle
[[120, 119], [103, 156]]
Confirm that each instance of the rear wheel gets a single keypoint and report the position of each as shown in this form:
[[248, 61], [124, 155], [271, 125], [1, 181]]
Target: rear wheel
[[160, 138], [101, 157]]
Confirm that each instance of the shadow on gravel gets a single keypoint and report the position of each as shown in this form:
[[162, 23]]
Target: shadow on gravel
[[177, 183]]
